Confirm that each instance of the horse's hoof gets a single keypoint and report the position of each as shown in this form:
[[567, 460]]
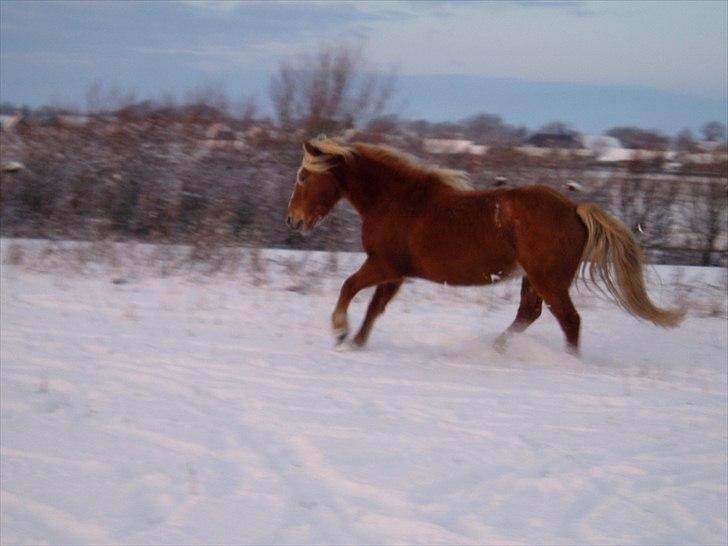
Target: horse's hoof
[[340, 336], [359, 341]]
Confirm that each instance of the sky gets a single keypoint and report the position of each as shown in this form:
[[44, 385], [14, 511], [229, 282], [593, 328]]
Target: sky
[[592, 64]]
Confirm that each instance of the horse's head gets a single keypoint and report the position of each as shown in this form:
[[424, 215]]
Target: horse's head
[[317, 188]]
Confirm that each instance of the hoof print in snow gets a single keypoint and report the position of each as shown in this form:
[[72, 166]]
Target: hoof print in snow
[[307, 504]]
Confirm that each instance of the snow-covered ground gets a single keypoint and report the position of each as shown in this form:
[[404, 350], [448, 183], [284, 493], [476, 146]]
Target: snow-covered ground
[[152, 404]]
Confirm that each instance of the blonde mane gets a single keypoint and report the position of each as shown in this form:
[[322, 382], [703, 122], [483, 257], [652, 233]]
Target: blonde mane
[[322, 163], [380, 153]]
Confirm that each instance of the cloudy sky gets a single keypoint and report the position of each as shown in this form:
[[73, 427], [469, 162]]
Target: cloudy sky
[[594, 64]]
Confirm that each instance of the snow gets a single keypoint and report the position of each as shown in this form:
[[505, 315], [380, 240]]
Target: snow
[[147, 405]]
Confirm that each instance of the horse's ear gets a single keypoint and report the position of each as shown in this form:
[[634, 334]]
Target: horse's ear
[[311, 148]]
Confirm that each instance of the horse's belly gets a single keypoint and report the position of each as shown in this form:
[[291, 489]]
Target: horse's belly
[[463, 242], [466, 265], [468, 276]]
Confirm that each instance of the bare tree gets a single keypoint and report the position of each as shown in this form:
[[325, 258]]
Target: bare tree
[[714, 131], [247, 108], [384, 124], [685, 142], [329, 90], [490, 129], [106, 99], [94, 102], [557, 128], [640, 139], [208, 101]]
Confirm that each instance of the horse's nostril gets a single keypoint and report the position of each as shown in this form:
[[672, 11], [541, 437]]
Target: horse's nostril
[[288, 221]]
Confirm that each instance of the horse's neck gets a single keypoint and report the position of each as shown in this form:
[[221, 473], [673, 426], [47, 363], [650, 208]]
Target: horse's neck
[[370, 191]]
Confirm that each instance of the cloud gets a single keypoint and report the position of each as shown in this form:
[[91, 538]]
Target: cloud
[[224, 58], [576, 7], [47, 58], [547, 4], [214, 6], [444, 7]]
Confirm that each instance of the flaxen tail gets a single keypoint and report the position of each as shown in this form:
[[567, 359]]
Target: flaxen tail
[[616, 259]]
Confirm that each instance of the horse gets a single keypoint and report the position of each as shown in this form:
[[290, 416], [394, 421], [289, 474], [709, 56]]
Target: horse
[[427, 222]]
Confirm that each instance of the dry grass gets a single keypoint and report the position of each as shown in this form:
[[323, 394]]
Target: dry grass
[[14, 254]]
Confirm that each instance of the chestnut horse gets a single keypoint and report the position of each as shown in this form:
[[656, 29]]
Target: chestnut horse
[[427, 222]]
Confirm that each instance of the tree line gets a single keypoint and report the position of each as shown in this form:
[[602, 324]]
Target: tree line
[[152, 170]]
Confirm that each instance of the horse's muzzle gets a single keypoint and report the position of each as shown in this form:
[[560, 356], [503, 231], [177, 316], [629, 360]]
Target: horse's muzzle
[[295, 225]]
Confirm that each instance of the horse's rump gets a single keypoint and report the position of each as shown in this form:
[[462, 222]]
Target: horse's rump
[[548, 234]]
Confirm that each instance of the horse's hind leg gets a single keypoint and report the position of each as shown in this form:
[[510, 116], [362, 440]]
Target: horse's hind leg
[[382, 296], [528, 311], [560, 304]]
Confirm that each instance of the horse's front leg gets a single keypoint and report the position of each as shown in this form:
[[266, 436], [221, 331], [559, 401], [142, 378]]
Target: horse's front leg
[[383, 294], [369, 274]]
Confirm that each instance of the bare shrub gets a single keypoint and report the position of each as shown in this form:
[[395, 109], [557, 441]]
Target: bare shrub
[[295, 269], [166, 258], [706, 216], [719, 307], [257, 266], [156, 172], [14, 254]]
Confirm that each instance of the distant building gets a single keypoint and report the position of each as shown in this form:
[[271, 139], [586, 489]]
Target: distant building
[[10, 122], [599, 144], [606, 148], [615, 155], [453, 146]]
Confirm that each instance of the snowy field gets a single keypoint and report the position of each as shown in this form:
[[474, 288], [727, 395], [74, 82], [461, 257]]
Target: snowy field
[[144, 402]]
